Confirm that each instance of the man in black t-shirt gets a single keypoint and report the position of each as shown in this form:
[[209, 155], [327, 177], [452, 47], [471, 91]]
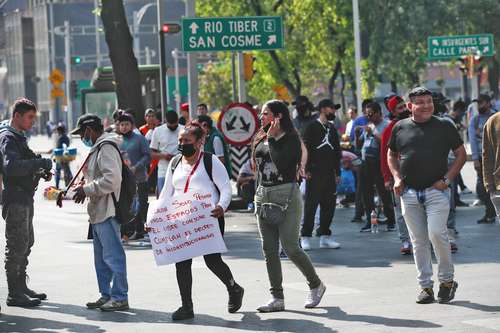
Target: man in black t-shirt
[[418, 159], [322, 171]]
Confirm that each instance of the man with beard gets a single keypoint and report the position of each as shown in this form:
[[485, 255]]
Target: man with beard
[[476, 140], [304, 116], [398, 111]]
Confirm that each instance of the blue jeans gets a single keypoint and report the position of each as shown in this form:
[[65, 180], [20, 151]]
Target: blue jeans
[[400, 220], [426, 213], [159, 185], [109, 260]]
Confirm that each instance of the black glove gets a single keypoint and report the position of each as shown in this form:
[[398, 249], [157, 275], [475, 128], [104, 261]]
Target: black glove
[[44, 163]]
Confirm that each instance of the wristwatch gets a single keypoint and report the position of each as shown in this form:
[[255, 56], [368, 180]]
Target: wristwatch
[[446, 181]]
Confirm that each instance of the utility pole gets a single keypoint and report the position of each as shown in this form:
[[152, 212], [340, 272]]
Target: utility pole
[[242, 93], [357, 51], [161, 53], [191, 64], [67, 58], [97, 37], [233, 75], [52, 38]]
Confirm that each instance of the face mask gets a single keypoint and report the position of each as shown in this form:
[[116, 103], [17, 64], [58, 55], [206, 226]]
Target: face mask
[[87, 142], [187, 150], [173, 129], [330, 116]]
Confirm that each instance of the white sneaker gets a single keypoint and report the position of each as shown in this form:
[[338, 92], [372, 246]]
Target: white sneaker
[[315, 296], [327, 242], [305, 243], [274, 305]]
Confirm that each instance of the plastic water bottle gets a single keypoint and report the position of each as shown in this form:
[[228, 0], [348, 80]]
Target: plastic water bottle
[[374, 222]]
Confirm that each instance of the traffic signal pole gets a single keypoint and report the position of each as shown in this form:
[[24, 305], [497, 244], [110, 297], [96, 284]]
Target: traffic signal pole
[[161, 45]]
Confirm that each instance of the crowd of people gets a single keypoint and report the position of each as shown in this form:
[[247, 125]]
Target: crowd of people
[[400, 168]]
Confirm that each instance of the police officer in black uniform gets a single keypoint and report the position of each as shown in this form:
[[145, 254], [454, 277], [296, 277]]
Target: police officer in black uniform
[[22, 170]]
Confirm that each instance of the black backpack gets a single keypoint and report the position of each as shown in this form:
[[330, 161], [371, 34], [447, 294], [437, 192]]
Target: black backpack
[[207, 162], [123, 206]]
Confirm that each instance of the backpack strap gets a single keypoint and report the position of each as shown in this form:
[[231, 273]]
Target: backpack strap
[[207, 163], [111, 143], [175, 162]]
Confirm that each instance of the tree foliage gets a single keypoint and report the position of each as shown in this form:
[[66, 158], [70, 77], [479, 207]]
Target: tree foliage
[[318, 58]]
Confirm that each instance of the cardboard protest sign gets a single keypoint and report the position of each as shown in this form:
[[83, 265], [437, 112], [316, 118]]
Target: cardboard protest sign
[[182, 228]]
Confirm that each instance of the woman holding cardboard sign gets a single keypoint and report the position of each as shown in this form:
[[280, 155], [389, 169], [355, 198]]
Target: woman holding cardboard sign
[[278, 202], [194, 169]]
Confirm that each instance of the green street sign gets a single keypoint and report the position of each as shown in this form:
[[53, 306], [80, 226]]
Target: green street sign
[[450, 47], [246, 33]]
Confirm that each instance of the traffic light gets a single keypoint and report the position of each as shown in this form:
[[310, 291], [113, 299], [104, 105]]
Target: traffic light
[[170, 28], [73, 87], [76, 60], [248, 70]]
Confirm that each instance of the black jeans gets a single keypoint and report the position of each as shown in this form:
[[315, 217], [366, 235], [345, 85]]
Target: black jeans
[[322, 190], [372, 177], [247, 191], [142, 195], [358, 197], [213, 261], [483, 194]]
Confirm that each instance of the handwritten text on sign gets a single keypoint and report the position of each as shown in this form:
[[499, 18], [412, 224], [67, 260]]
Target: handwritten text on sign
[[182, 228]]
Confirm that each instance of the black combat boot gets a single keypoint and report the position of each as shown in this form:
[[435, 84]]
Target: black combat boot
[[27, 291], [16, 296]]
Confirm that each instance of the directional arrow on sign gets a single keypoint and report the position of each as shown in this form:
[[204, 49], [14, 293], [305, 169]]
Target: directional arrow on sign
[[486, 49], [194, 28], [272, 40]]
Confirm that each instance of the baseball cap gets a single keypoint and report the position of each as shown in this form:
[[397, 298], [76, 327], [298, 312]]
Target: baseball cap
[[149, 111], [393, 102], [438, 97], [328, 103], [185, 107], [301, 100], [482, 98], [87, 120]]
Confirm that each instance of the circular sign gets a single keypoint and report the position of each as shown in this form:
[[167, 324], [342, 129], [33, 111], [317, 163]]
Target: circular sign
[[238, 123]]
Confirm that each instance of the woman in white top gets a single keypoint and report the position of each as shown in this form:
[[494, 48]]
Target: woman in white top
[[190, 173]]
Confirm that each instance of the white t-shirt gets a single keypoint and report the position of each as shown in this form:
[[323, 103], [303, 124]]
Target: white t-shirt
[[218, 147], [165, 141], [175, 184]]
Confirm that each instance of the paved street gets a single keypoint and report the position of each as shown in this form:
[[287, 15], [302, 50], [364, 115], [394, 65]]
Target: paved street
[[370, 286]]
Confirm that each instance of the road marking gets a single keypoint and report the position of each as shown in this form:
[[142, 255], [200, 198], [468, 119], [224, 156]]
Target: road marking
[[331, 289], [492, 324]]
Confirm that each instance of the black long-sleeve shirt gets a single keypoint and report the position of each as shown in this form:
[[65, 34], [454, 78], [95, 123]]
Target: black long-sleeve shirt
[[323, 148], [19, 165], [277, 160]]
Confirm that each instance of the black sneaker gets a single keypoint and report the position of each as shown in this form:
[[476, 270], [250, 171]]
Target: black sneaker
[[366, 228], [486, 220], [426, 296], [460, 203], [447, 291], [391, 227], [97, 304], [183, 313], [235, 298]]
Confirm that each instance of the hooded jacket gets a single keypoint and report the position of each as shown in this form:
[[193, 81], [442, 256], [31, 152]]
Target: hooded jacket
[[103, 176]]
